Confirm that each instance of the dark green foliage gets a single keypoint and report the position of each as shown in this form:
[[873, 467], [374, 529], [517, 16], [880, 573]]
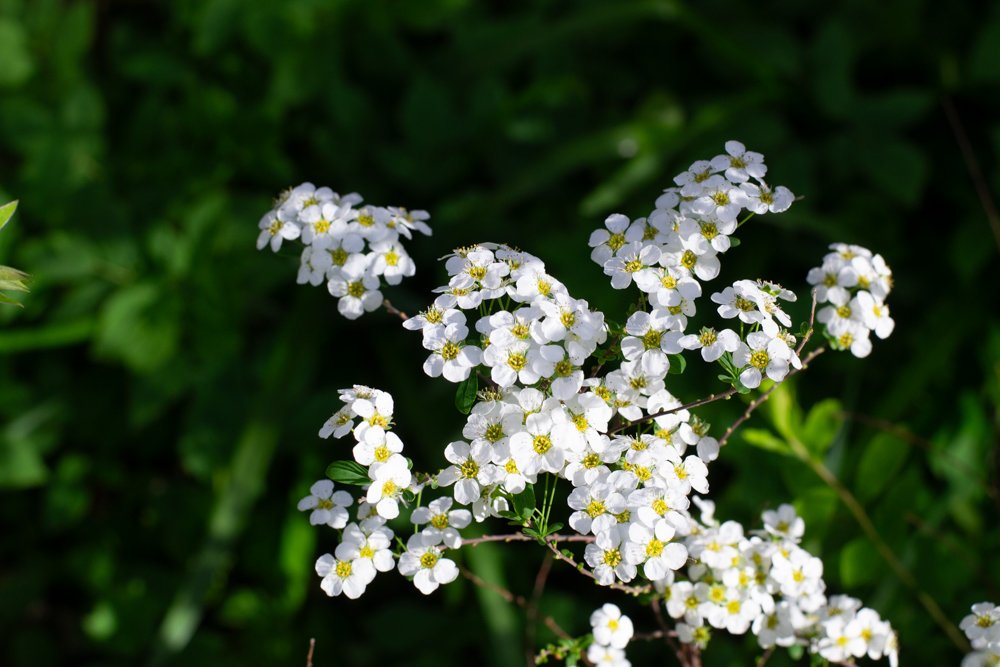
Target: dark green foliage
[[161, 389]]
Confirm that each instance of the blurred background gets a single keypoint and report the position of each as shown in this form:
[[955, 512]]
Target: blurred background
[[162, 387]]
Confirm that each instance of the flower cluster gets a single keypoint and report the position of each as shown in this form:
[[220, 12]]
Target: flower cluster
[[982, 627], [351, 247], [670, 252], [855, 284], [765, 583], [553, 391], [612, 631]]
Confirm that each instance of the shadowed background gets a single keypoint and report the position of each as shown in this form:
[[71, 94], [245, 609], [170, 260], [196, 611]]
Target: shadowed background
[[161, 389]]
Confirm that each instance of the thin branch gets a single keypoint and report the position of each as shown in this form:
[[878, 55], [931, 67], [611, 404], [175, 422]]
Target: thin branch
[[693, 404], [531, 611], [812, 322], [668, 634], [908, 436], [510, 597], [392, 310], [521, 537], [975, 172], [309, 656], [631, 590], [888, 555], [762, 660], [760, 400]]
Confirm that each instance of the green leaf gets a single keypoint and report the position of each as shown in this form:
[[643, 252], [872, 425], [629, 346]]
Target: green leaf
[[784, 412], [6, 212], [348, 472], [465, 394], [882, 459], [763, 438], [16, 66], [859, 563], [526, 500], [677, 364], [821, 426]]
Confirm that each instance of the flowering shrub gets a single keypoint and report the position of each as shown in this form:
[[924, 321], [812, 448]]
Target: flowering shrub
[[553, 390], [982, 627]]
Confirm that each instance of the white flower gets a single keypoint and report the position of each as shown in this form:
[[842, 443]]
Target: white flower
[[713, 344], [982, 625], [371, 541], [391, 261], [328, 506], [631, 260], [652, 548], [424, 562], [377, 447], [389, 480], [605, 556], [607, 242], [451, 357], [874, 314], [611, 627], [784, 523], [444, 522], [338, 425], [348, 576], [739, 164], [607, 656], [762, 354], [762, 199], [356, 288], [274, 229], [470, 472]]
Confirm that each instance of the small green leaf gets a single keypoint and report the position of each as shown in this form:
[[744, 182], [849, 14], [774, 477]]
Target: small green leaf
[[734, 242], [526, 500], [677, 364], [465, 394], [795, 651], [6, 211], [348, 472], [761, 437]]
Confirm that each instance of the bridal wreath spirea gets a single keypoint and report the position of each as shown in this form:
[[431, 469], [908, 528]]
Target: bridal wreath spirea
[[556, 392]]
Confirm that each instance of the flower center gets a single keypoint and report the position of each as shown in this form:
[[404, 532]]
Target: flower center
[[759, 359], [449, 351], [654, 548], [343, 569], [689, 259], [542, 444], [595, 509], [429, 559], [440, 521], [612, 557], [356, 289], [494, 432], [651, 339], [469, 469], [707, 337], [616, 241], [591, 460]]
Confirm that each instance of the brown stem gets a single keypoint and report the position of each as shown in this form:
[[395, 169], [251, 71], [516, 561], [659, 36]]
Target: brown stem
[[531, 611], [762, 660], [693, 404], [975, 172], [521, 537], [888, 555], [812, 322], [392, 310], [760, 400], [512, 599], [309, 655], [631, 590], [668, 634]]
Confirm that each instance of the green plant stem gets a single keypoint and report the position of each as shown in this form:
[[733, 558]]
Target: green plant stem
[[888, 555]]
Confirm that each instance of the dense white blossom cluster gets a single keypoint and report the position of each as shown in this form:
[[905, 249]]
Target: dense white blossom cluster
[[351, 247], [553, 391], [855, 284], [982, 627], [765, 583]]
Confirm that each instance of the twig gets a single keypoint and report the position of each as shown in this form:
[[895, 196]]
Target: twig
[[760, 400], [531, 611], [510, 597], [762, 660], [309, 655], [888, 555], [975, 173], [668, 634], [490, 586], [812, 322], [392, 310], [912, 438], [693, 404], [631, 590], [521, 537]]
